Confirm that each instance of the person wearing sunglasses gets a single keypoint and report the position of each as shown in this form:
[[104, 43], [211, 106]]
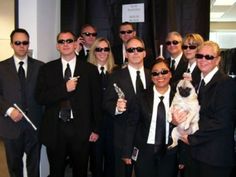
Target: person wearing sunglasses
[[87, 37], [102, 155], [190, 43], [212, 146], [178, 62], [68, 89], [18, 75], [149, 134], [126, 32], [131, 80]]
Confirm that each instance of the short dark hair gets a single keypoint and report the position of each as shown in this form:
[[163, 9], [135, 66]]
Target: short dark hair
[[161, 60], [128, 23], [66, 31], [87, 25], [18, 30]]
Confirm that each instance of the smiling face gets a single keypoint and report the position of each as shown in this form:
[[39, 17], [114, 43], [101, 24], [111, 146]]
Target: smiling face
[[101, 55], [174, 47], [161, 81], [206, 66], [66, 49]]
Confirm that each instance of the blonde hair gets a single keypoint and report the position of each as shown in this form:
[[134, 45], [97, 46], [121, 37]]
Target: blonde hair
[[213, 45], [194, 38], [92, 57]]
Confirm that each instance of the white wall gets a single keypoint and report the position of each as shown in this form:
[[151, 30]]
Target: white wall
[[41, 18]]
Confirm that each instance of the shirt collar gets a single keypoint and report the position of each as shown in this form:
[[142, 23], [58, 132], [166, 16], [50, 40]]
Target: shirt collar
[[210, 75]]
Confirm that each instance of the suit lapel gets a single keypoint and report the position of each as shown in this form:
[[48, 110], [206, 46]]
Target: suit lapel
[[12, 70]]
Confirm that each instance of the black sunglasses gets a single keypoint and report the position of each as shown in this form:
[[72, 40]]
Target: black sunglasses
[[132, 49], [90, 34], [126, 32], [63, 41], [207, 57], [191, 47], [99, 49], [172, 42], [162, 72], [21, 42]]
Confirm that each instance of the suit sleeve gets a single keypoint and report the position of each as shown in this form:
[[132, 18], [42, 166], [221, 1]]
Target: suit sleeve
[[217, 118], [96, 95], [131, 127]]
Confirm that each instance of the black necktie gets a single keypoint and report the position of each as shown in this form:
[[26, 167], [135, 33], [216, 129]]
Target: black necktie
[[139, 84], [21, 75], [103, 77], [160, 126], [67, 74], [200, 90], [65, 112], [172, 65], [188, 70]]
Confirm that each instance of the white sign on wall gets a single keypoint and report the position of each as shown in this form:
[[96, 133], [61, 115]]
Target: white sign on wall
[[133, 13]]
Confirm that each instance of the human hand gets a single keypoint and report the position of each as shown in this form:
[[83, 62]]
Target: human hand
[[187, 76], [178, 116], [80, 41], [15, 115], [121, 105], [71, 84], [93, 137], [127, 161]]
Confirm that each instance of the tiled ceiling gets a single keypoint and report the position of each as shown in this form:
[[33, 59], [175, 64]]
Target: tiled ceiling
[[223, 10]]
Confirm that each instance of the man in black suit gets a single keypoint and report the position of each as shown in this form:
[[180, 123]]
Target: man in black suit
[[126, 32], [144, 142], [178, 63], [70, 90], [86, 39], [18, 76], [126, 80], [212, 146]]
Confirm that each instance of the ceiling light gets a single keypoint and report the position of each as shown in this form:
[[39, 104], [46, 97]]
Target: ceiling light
[[224, 2]]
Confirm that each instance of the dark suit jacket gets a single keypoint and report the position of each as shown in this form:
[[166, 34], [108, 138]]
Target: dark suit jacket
[[10, 94], [85, 100], [139, 121], [82, 55], [196, 77], [123, 80], [213, 143], [181, 68], [118, 55]]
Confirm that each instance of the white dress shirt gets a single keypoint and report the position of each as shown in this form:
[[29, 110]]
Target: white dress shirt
[[152, 129]]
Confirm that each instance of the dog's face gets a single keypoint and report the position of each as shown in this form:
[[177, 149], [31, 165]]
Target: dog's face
[[185, 88]]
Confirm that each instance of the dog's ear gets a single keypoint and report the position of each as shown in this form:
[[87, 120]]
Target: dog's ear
[[184, 92]]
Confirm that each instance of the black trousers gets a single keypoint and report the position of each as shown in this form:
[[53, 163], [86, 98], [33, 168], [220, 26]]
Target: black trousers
[[68, 145], [149, 164], [102, 151], [200, 169], [27, 143]]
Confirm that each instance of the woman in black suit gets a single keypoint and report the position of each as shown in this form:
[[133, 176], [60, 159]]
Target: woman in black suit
[[142, 142], [102, 157], [212, 146], [190, 43]]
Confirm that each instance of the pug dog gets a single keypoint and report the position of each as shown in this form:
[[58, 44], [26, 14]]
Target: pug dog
[[185, 99]]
